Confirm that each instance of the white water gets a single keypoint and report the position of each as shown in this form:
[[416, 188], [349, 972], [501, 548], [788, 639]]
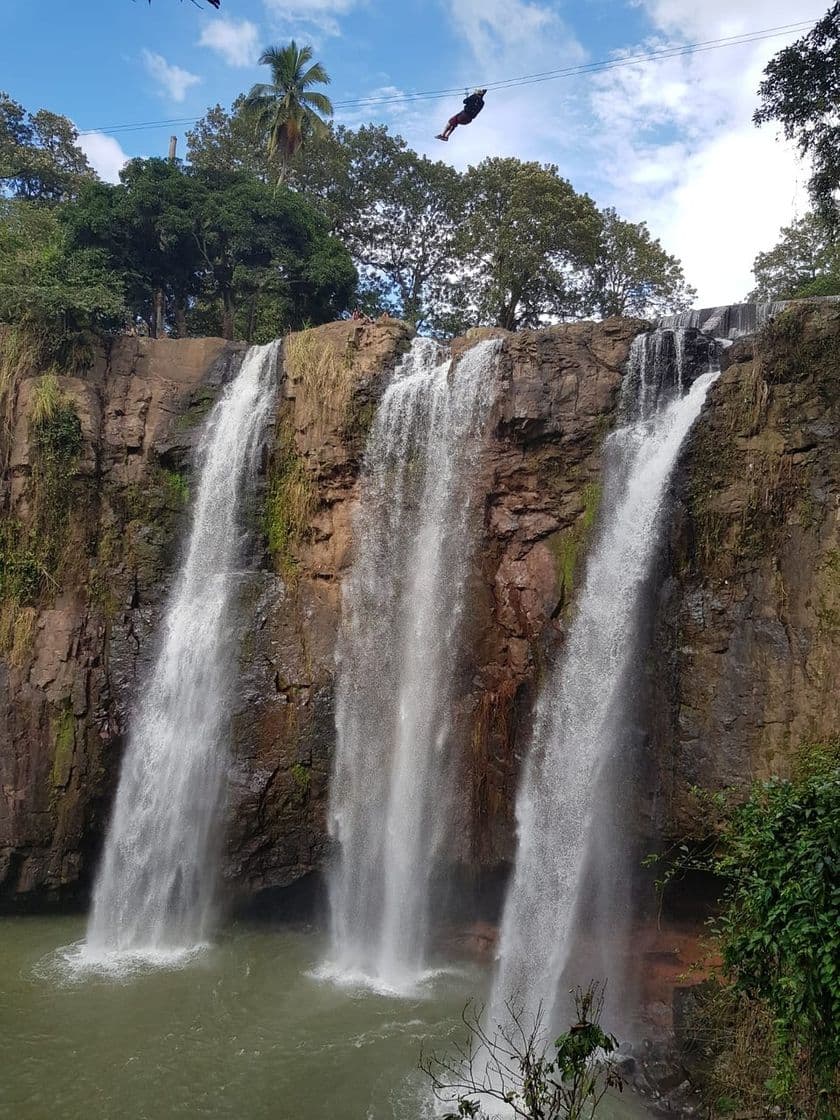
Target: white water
[[155, 891], [392, 790], [578, 717]]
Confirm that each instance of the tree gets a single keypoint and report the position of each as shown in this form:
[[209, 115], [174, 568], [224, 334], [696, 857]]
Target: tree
[[262, 245], [50, 287], [515, 1067], [632, 274], [286, 110], [147, 228], [39, 156], [396, 211], [801, 90], [525, 237], [182, 238], [227, 141], [804, 262]]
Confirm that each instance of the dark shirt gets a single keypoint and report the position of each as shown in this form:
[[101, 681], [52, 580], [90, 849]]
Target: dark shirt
[[473, 104]]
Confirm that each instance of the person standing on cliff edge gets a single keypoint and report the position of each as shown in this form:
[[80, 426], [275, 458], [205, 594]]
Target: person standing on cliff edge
[[472, 107]]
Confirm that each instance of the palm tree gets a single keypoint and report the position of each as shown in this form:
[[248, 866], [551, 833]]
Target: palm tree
[[287, 110]]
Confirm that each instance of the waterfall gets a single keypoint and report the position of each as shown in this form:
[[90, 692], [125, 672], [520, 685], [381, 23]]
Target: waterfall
[[155, 891], [578, 719], [392, 788]]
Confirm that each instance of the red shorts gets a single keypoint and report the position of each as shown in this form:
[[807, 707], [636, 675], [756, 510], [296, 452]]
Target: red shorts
[[460, 118]]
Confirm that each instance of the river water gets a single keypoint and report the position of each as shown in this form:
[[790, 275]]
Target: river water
[[244, 1032]]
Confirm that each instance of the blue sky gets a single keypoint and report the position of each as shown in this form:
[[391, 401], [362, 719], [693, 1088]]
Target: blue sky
[[669, 142]]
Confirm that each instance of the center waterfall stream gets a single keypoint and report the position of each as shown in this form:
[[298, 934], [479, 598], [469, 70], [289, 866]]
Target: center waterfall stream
[[392, 792], [254, 1026]]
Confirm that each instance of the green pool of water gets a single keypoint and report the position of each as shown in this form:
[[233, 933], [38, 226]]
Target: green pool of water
[[243, 1032]]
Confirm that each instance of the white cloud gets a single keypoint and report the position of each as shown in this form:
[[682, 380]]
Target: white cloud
[[321, 14], [105, 155], [173, 80], [235, 42], [713, 19], [673, 142], [500, 31]]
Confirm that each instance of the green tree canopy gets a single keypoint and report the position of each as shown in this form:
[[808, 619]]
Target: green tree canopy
[[184, 238], [801, 90], [506, 242], [287, 111], [39, 156], [396, 211], [804, 262], [47, 284], [632, 274], [228, 141], [525, 236]]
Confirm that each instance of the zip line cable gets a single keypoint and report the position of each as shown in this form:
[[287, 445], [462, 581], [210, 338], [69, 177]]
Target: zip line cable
[[511, 83]]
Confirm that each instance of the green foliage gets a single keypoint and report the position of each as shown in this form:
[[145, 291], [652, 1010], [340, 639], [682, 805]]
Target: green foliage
[[187, 241], [39, 157], [523, 234], [56, 442], [21, 573], [632, 274], [780, 927], [396, 211], [500, 244], [228, 141], [801, 91], [177, 488], [31, 556], [56, 293], [287, 111], [515, 1067], [301, 776], [804, 262], [778, 858]]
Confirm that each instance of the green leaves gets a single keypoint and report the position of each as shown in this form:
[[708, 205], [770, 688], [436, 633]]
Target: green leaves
[[778, 857], [804, 262], [39, 156], [801, 91], [285, 112]]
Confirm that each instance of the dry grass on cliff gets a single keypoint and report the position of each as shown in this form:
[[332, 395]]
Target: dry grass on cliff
[[17, 626], [20, 353], [325, 375]]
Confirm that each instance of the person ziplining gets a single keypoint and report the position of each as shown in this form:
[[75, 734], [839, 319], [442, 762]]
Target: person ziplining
[[472, 107]]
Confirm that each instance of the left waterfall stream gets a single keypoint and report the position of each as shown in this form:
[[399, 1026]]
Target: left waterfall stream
[[156, 888]]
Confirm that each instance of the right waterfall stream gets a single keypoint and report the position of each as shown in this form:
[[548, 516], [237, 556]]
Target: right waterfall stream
[[579, 714]]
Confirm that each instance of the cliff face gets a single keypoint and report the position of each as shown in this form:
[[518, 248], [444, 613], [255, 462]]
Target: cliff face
[[744, 662], [107, 520], [747, 625]]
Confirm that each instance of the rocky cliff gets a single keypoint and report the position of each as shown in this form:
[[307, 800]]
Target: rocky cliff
[[744, 662]]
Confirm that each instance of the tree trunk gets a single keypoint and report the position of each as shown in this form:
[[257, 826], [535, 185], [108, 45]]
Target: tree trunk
[[158, 317], [227, 314], [252, 319], [180, 318]]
